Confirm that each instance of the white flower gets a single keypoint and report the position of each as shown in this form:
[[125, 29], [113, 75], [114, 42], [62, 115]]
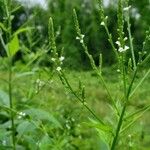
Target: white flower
[[77, 38], [39, 82], [102, 23], [21, 114], [121, 49], [81, 41], [118, 43], [125, 38], [81, 38], [126, 47], [61, 58], [127, 8], [53, 59], [118, 70], [106, 17], [58, 69]]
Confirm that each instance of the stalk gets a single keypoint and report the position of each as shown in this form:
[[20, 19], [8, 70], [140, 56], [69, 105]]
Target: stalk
[[11, 104], [7, 5]]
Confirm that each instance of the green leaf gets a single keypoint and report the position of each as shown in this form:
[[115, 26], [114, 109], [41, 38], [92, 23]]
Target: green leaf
[[45, 143], [2, 26], [105, 132], [20, 30], [39, 114], [4, 98], [24, 74], [25, 127], [13, 46]]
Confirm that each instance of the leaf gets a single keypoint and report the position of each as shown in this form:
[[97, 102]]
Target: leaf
[[105, 132], [2, 26], [45, 142], [13, 46], [22, 30], [39, 114], [4, 98], [24, 74], [25, 127]]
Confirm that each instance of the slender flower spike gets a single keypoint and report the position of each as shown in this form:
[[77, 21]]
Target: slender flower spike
[[58, 69]]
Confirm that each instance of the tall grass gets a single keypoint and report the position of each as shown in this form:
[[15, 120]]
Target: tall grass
[[110, 133]]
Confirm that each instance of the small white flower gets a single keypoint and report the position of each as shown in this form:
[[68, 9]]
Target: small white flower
[[53, 59], [126, 47], [39, 82], [82, 36], [58, 69], [106, 17], [125, 38], [21, 114], [81, 41], [118, 43], [77, 38], [61, 58], [118, 70], [102, 23], [127, 8], [121, 49]]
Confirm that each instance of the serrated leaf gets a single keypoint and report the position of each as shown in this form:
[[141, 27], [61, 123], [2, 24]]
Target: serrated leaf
[[39, 114], [4, 98], [45, 143], [105, 132], [25, 127], [13, 46]]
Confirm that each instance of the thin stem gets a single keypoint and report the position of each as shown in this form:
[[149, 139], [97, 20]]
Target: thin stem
[[11, 104], [131, 42], [80, 99], [7, 5], [111, 41], [126, 94]]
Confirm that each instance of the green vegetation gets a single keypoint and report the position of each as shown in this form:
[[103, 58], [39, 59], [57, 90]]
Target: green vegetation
[[71, 82]]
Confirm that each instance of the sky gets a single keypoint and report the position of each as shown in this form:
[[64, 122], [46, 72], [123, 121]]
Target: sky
[[31, 3]]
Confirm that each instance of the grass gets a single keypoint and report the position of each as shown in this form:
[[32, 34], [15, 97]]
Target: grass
[[63, 105]]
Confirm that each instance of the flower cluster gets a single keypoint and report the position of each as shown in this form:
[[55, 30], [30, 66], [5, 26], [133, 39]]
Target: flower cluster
[[58, 61], [80, 38], [21, 114], [122, 48]]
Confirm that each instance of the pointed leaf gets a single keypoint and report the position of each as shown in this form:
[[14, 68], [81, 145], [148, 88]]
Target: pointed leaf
[[13, 46], [39, 114], [4, 98]]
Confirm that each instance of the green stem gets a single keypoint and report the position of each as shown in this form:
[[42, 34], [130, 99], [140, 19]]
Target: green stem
[[7, 5], [80, 100], [131, 42], [118, 127], [126, 94], [11, 104]]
